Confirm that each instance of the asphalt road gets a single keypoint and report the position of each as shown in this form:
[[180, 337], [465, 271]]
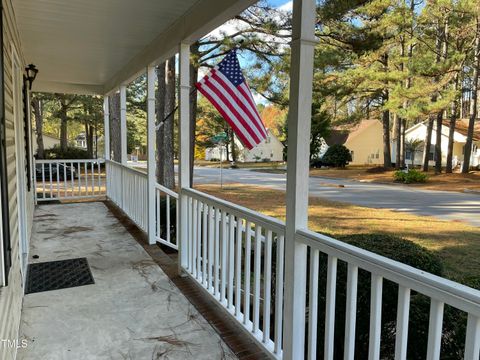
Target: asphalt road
[[441, 204]]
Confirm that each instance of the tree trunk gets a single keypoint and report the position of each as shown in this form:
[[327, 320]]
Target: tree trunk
[[473, 103], [115, 144], [168, 167], [387, 157], [194, 49], [451, 130], [160, 117], [37, 111], [398, 147], [438, 143], [402, 142], [427, 144], [63, 124]]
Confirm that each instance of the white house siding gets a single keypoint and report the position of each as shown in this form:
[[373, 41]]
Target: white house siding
[[11, 295], [271, 149], [419, 131]]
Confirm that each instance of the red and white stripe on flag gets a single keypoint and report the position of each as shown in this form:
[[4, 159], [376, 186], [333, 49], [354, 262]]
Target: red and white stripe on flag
[[225, 87]]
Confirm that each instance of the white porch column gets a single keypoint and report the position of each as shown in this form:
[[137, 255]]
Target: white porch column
[[151, 153], [184, 163], [299, 120], [106, 127], [123, 123]]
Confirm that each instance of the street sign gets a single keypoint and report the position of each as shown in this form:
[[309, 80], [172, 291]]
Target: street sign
[[220, 138]]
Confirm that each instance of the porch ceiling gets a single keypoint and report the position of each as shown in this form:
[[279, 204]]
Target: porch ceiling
[[91, 46]]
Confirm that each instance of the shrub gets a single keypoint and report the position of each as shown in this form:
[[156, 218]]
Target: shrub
[[397, 249], [70, 153], [337, 155], [317, 163], [410, 177]]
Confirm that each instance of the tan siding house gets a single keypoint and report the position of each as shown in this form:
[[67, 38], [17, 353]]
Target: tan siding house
[[365, 142]]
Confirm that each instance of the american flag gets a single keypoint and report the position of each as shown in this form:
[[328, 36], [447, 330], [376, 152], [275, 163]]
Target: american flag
[[228, 91]]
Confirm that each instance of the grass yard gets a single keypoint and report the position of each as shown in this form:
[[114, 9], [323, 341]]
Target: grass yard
[[457, 244]]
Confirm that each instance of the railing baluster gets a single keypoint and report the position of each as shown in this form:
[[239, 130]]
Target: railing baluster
[[99, 174], [238, 268], [351, 312], [223, 266], [313, 305], [51, 181], [65, 179], [72, 178], [190, 238], [267, 283], [43, 181], [58, 180], [279, 294], [168, 217], [375, 317], [79, 179], [231, 259], [199, 239], [204, 245], [211, 239], [256, 277], [403, 310], [435, 329], [157, 213], [330, 307], [472, 341], [86, 178], [217, 252], [248, 249], [93, 178]]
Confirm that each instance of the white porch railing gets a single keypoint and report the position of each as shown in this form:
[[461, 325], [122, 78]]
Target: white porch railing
[[127, 188], [237, 256], [68, 179], [230, 253], [440, 292]]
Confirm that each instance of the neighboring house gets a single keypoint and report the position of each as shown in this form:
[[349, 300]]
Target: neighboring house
[[271, 148], [49, 142], [364, 140], [418, 132], [81, 141]]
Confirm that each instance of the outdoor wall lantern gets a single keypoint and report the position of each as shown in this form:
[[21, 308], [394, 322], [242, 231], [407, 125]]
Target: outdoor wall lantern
[[31, 71]]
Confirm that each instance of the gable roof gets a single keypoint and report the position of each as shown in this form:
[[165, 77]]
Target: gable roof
[[461, 127], [342, 134]]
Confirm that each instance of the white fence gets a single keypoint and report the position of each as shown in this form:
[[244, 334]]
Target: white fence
[[128, 189], [68, 179], [237, 256]]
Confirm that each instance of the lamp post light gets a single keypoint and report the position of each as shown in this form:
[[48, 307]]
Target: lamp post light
[[31, 71]]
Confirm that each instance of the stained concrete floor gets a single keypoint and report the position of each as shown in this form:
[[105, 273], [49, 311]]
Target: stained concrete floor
[[133, 311]]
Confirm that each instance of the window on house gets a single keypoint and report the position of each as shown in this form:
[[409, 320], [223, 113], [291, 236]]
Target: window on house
[[352, 153], [408, 155]]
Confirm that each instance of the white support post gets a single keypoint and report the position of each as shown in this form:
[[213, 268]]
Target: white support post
[[299, 121], [184, 164], [151, 153], [106, 127], [123, 123]]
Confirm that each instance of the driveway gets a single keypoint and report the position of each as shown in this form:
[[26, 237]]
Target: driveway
[[441, 204]]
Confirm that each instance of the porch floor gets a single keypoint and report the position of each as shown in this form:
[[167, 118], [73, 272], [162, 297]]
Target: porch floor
[[133, 311]]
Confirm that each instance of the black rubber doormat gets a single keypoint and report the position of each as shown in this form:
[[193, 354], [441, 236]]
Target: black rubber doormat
[[55, 275]]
